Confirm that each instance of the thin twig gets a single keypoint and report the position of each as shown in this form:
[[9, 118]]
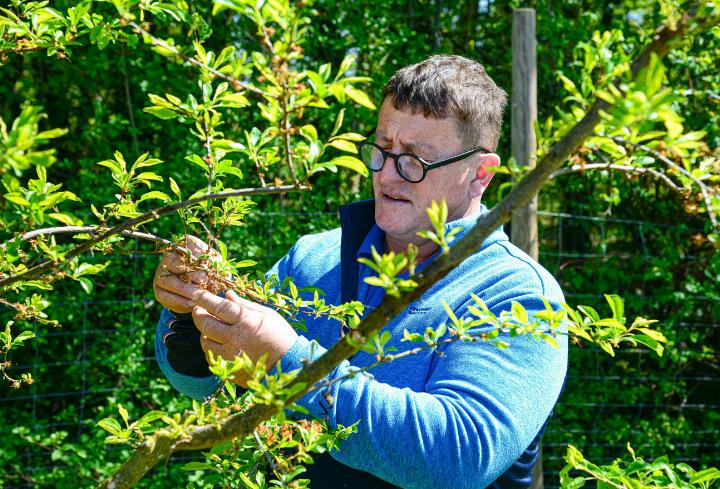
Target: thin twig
[[234, 81], [286, 140], [49, 265], [269, 459], [211, 176], [675, 166], [623, 168], [133, 129], [90, 230]]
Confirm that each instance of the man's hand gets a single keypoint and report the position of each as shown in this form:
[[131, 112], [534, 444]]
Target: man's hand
[[170, 289], [233, 325]]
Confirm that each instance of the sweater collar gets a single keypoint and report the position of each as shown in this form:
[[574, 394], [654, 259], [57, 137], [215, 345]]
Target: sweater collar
[[376, 236]]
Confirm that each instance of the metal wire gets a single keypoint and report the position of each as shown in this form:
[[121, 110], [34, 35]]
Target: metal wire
[[92, 332]]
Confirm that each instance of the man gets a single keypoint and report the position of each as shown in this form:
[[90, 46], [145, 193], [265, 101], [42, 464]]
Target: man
[[469, 418]]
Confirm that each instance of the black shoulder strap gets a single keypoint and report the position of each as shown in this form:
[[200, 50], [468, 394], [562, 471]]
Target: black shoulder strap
[[356, 220]]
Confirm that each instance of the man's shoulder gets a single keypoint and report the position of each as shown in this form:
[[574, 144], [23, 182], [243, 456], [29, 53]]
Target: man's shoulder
[[523, 263], [323, 242], [316, 252], [501, 266]]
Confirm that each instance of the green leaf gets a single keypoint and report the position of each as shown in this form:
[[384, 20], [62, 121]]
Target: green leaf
[[338, 122], [149, 417], [110, 425], [343, 145], [325, 70], [52, 133], [154, 195], [143, 163], [199, 162], [350, 162], [174, 187], [360, 97], [65, 218], [86, 284], [113, 165], [309, 132], [706, 475], [147, 175], [450, 312], [519, 312], [655, 335], [161, 112], [123, 413], [346, 64], [199, 466], [234, 100], [22, 337], [350, 136], [649, 342], [573, 456], [590, 312], [16, 198], [617, 306], [550, 340]]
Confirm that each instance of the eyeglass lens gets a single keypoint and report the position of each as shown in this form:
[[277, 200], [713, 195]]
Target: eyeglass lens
[[410, 168]]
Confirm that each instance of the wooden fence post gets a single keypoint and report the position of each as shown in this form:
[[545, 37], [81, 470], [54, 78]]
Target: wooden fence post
[[524, 145], [524, 115]]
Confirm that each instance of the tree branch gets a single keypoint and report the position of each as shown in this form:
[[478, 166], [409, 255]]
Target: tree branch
[[90, 230], [623, 168], [233, 81], [680, 169], [47, 266], [240, 425]]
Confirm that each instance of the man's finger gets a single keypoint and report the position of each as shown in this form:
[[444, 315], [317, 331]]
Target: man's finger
[[223, 309], [173, 263], [196, 245], [244, 303], [176, 285], [196, 277], [216, 348], [210, 326], [173, 302]]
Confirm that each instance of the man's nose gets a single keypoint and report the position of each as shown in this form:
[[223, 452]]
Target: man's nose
[[389, 172]]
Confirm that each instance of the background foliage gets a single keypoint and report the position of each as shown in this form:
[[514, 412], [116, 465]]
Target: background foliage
[[103, 354]]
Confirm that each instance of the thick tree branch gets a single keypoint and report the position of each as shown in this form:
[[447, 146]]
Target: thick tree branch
[[243, 424], [47, 266]]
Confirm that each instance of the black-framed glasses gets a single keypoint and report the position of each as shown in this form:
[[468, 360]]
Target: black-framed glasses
[[411, 167]]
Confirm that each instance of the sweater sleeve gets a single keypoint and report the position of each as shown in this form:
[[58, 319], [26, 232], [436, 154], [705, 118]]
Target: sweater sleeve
[[481, 407]]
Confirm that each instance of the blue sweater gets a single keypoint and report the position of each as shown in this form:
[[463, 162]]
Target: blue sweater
[[470, 418]]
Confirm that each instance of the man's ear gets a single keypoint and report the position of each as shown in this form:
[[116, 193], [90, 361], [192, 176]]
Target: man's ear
[[482, 175]]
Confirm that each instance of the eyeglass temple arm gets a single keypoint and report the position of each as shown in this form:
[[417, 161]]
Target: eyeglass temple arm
[[456, 158]]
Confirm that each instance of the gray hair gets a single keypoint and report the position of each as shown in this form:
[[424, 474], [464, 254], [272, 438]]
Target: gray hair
[[445, 86]]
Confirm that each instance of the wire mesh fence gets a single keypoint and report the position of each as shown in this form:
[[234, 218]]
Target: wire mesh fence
[[663, 405]]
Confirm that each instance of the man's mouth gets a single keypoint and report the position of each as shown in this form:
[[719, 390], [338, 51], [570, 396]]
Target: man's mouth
[[395, 198]]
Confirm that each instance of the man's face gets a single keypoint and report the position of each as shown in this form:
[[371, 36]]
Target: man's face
[[400, 205]]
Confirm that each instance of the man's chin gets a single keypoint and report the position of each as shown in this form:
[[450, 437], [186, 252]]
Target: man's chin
[[395, 228]]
